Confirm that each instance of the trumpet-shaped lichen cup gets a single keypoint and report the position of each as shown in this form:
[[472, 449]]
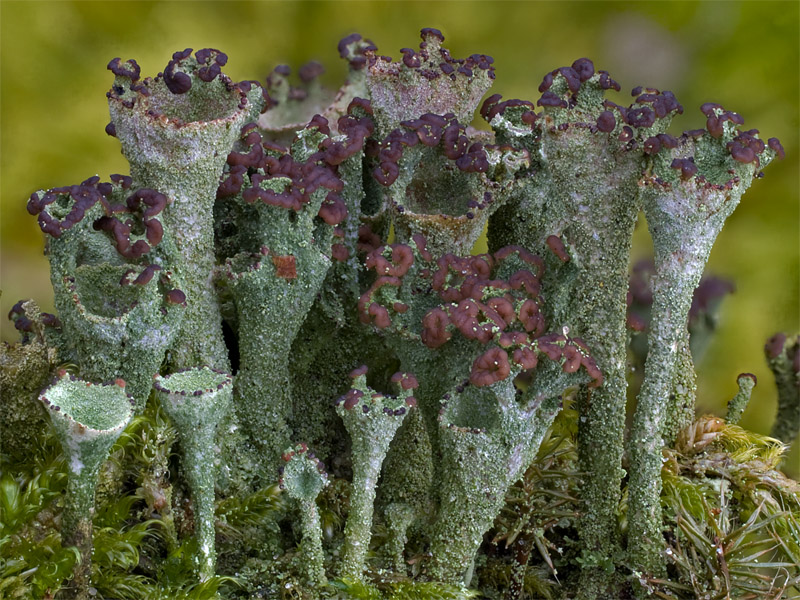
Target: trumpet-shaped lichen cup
[[88, 418], [196, 400]]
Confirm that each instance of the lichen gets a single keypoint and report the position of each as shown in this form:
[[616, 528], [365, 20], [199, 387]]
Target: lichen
[[372, 420], [197, 400], [270, 239], [87, 419]]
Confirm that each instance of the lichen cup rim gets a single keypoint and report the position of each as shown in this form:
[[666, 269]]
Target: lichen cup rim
[[161, 382], [76, 422], [230, 111], [175, 123]]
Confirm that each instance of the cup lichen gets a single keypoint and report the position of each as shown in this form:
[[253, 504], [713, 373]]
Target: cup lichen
[[197, 400], [288, 235], [88, 419]]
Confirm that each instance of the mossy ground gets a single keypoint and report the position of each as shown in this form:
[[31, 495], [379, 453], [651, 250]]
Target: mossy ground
[[731, 519]]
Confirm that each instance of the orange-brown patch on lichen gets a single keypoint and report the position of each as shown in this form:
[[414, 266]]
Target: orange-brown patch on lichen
[[285, 266]]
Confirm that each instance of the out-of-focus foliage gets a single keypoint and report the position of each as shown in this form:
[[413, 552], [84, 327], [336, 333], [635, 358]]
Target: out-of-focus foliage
[[743, 55]]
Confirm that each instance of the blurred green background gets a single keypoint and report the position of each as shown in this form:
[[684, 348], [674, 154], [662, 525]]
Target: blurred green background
[[742, 54]]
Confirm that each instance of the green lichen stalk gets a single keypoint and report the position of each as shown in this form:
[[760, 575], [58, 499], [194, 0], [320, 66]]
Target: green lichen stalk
[[88, 419], [197, 400], [176, 131], [737, 404], [489, 436], [269, 317], [580, 204], [372, 420], [783, 357], [303, 477], [443, 182], [687, 197], [683, 397], [275, 287]]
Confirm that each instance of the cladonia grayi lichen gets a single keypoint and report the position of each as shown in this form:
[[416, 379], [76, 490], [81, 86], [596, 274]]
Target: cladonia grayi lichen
[[271, 239]]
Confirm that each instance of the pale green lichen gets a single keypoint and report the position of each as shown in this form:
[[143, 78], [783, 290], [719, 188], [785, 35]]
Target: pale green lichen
[[372, 420], [197, 400], [273, 290], [585, 191], [88, 419], [737, 404], [303, 477], [685, 216], [278, 224], [116, 316], [177, 143], [783, 357]]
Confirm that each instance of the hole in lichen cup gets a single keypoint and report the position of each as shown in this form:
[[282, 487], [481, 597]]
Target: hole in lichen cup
[[196, 400], [100, 293], [474, 409]]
